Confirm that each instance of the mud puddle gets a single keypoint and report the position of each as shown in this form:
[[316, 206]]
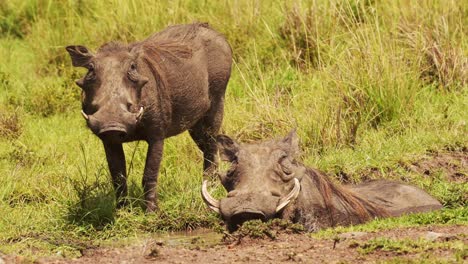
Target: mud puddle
[[196, 238], [408, 245]]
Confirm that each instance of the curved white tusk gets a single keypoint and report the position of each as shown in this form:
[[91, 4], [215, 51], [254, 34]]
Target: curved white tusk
[[140, 113], [209, 200], [84, 115], [291, 196]]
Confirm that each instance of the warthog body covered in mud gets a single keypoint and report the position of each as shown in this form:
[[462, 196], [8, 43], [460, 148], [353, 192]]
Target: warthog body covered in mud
[[173, 81], [265, 181]]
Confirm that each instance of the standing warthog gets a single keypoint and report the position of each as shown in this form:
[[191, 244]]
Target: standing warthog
[[265, 182], [173, 81]]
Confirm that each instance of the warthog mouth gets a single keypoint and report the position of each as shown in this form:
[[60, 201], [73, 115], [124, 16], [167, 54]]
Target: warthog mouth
[[113, 133], [239, 218], [239, 209]]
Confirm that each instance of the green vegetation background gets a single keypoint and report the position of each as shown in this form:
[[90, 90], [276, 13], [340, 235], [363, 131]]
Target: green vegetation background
[[370, 86]]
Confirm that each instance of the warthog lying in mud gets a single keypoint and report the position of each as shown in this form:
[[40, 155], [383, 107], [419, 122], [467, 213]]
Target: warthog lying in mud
[[265, 181], [173, 81]]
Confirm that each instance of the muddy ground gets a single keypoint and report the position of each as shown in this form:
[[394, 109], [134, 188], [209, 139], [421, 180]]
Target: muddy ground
[[356, 247]]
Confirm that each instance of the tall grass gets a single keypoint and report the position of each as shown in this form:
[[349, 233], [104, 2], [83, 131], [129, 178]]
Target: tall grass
[[367, 84]]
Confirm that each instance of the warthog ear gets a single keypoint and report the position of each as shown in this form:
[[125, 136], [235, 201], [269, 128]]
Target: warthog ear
[[80, 55], [292, 140], [227, 147]]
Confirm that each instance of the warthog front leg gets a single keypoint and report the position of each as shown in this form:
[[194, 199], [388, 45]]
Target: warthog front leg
[[204, 134], [116, 162], [150, 176]]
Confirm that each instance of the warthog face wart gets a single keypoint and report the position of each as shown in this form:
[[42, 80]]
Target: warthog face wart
[[262, 180], [111, 90]]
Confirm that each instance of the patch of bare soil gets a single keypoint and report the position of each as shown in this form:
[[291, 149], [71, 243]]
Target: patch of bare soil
[[353, 247], [453, 164]]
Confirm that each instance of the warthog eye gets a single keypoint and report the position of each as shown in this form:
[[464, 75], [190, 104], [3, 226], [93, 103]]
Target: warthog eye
[[286, 170], [132, 73], [286, 165]]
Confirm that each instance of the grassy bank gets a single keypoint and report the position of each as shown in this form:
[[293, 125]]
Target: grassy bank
[[370, 85]]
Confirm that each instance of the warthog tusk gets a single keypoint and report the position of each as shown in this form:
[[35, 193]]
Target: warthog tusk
[[140, 113], [84, 115], [291, 196], [209, 200]]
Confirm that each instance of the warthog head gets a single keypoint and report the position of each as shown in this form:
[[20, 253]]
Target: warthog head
[[263, 179], [111, 89]]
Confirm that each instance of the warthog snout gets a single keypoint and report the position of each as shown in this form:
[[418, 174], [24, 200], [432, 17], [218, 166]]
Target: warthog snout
[[249, 206], [240, 207], [113, 131]]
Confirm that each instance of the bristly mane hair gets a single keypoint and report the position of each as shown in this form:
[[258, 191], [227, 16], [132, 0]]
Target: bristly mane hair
[[112, 46], [175, 48], [355, 205], [160, 50]]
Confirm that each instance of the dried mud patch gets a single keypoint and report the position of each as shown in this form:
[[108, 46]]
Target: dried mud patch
[[430, 243], [256, 229], [451, 164]]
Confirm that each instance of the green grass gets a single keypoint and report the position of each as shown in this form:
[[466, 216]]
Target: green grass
[[404, 246], [368, 85], [422, 247]]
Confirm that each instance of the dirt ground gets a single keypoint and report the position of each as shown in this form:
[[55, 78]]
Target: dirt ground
[[289, 248], [453, 164]]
